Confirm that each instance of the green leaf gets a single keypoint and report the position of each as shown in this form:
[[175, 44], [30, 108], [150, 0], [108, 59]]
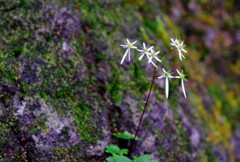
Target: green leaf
[[123, 151], [125, 135], [110, 159], [143, 158], [114, 149], [118, 158]]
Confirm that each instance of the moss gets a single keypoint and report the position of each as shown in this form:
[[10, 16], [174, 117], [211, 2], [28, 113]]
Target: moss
[[4, 130], [151, 24], [223, 102], [115, 91], [138, 80], [59, 152], [41, 123], [183, 139], [56, 83], [206, 156], [210, 155], [114, 86], [81, 120], [160, 151], [101, 56]]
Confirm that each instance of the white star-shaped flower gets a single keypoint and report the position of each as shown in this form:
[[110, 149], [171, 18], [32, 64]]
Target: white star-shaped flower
[[180, 47], [182, 76], [129, 45], [144, 51], [167, 75], [152, 55]]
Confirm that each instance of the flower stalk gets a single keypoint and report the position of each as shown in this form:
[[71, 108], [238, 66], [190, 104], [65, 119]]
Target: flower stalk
[[145, 105]]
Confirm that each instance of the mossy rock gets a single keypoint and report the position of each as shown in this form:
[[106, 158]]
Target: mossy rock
[[64, 93]]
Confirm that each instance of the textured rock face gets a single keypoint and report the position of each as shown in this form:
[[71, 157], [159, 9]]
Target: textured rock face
[[54, 131], [41, 120], [63, 92]]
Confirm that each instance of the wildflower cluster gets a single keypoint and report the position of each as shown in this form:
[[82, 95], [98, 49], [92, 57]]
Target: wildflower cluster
[[152, 57], [145, 50]]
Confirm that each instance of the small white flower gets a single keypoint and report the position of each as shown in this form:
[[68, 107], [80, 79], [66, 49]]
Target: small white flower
[[167, 75], [153, 54], [180, 47], [144, 51], [182, 76], [128, 45]]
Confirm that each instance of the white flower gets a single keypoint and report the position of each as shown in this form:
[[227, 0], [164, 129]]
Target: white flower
[[128, 45], [144, 51], [167, 75], [179, 46], [182, 76], [154, 54]]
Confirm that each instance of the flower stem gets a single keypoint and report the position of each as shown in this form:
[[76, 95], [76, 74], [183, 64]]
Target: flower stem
[[145, 106]]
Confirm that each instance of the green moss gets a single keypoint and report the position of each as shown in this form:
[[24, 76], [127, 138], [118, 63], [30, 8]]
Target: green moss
[[210, 155], [56, 83], [218, 93], [85, 123], [160, 151], [4, 130], [138, 80], [114, 86], [101, 56], [59, 151], [41, 123], [115, 91]]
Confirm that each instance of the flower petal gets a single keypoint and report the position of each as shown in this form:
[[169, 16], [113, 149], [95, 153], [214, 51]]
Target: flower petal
[[170, 76], [134, 47], [150, 59], [154, 64], [158, 59], [180, 54], [183, 88], [134, 42], [161, 77], [144, 46], [140, 58], [150, 48], [178, 72], [176, 77], [125, 46], [124, 56], [129, 55], [148, 55], [184, 50], [164, 70], [183, 56], [166, 87]]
